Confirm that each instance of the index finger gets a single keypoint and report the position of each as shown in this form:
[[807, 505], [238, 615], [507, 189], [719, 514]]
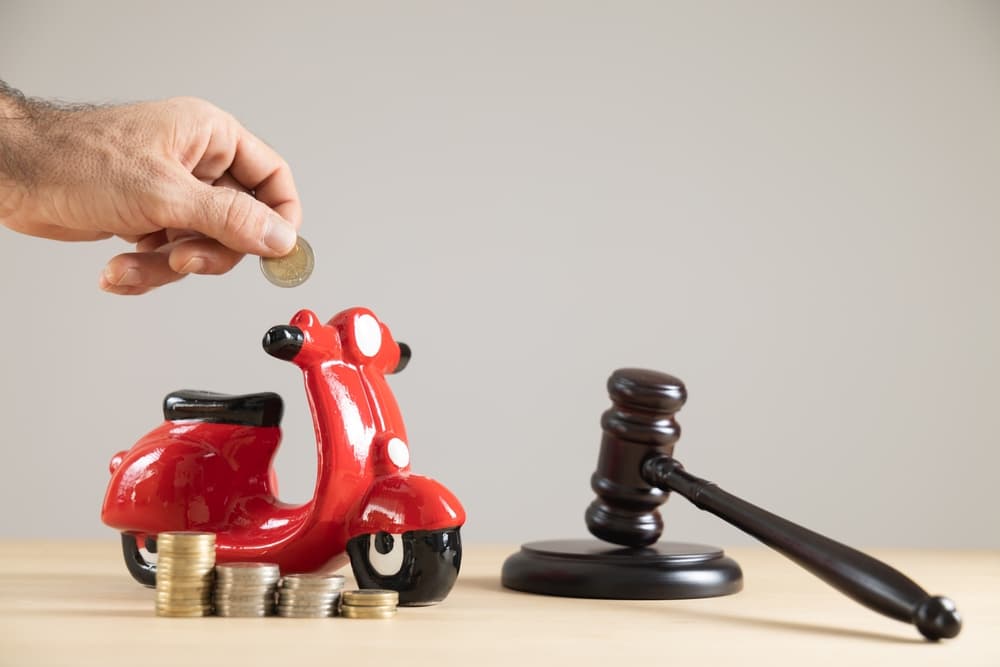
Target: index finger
[[258, 167]]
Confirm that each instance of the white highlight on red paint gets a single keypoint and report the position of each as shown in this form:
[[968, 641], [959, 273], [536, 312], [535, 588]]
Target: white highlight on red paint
[[398, 452], [368, 335]]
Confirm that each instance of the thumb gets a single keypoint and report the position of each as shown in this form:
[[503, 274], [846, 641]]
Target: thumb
[[240, 222]]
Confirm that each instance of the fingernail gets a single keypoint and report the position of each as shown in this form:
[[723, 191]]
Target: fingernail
[[193, 265], [279, 236], [130, 278]]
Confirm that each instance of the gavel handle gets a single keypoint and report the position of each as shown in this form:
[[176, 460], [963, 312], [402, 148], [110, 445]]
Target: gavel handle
[[858, 576]]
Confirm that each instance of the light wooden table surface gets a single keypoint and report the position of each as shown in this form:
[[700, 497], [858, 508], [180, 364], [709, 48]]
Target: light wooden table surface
[[69, 603]]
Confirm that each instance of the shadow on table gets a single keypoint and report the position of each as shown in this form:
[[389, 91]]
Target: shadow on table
[[791, 626], [492, 584]]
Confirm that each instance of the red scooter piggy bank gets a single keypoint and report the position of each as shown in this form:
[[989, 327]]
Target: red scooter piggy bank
[[208, 467]]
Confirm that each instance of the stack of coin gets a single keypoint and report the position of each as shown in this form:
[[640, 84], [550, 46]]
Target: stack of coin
[[309, 595], [245, 589], [184, 567], [369, 603]]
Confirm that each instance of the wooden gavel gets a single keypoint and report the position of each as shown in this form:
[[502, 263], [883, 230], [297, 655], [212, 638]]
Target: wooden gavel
[[636, 471]]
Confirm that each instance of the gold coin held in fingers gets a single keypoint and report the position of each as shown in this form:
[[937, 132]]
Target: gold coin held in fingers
[[291, 270]]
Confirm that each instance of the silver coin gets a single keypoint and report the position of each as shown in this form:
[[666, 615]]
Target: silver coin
[[309, 595], [305, 607], [242, 605], [312, 578], [299, 613], [245, 584], [243, 611], [291, 270], [317, 584], [247, 570]]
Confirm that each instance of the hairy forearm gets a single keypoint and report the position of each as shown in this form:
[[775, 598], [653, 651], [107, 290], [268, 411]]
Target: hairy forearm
[[42, 145], [16, 169], [31, 130], [16, 128]]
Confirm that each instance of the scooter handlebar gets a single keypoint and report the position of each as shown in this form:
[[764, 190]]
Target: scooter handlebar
[[405, 353]]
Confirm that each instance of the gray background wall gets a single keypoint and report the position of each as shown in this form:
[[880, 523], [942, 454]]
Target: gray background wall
[[792, 206]]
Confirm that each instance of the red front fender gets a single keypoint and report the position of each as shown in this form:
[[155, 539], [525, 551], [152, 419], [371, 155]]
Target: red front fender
[[403, 502]]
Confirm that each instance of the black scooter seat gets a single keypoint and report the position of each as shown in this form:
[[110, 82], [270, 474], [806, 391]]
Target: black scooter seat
[[263, 409]]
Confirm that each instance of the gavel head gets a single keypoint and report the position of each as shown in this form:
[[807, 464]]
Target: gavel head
[[640, 423]]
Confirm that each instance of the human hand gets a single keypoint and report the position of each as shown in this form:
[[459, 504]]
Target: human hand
[[181, 179]]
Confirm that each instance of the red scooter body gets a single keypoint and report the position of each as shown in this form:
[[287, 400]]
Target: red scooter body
[[208, 467]]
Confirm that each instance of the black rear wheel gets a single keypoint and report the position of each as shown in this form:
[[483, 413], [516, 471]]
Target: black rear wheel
[[142, 571]]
